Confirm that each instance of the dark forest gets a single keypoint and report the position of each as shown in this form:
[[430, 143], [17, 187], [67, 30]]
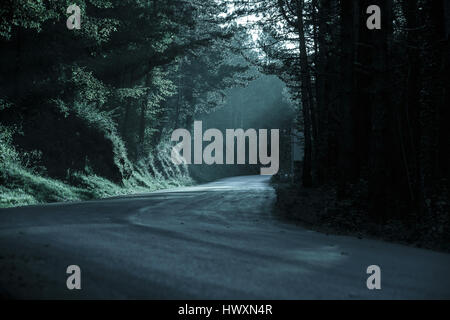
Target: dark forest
[[87, 111]]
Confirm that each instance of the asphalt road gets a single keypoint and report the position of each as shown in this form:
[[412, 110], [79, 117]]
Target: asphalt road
[[214, 241]]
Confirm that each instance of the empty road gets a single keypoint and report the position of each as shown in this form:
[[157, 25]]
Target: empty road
[[213, 241]]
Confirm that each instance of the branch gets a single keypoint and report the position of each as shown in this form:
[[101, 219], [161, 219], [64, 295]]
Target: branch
[[284, 14]]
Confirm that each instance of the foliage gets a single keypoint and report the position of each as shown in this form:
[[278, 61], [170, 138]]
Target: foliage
[[94, 105]]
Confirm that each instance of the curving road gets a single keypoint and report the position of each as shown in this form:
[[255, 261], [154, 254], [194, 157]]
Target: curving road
[[214, 241]]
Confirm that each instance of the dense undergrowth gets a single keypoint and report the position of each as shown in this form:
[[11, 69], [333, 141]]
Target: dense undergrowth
[[320, 209], [23, 182]]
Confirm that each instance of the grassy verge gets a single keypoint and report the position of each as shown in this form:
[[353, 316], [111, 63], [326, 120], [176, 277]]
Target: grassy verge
[[27, 188], [21, 186]]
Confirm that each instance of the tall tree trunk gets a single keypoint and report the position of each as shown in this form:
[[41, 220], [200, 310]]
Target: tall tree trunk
[[322, 49], [434, 55], [143, 122], [141, 134], [346, 156], [179, 96], [306, 94], [412, 99], [379, 167]]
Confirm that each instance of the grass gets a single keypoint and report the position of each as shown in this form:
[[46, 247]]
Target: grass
[[21, 186], [24, 187]]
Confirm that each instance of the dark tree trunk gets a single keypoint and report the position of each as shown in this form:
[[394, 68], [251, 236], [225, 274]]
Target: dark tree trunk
[[346, 156], [435, 53], [321, 48], [409, 114], [143, 122], [380, 151], [306, 94]]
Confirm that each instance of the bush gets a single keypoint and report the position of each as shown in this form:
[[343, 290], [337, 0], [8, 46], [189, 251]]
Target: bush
[[21, 185]]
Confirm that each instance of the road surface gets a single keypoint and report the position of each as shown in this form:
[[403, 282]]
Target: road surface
[[214, 241]]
